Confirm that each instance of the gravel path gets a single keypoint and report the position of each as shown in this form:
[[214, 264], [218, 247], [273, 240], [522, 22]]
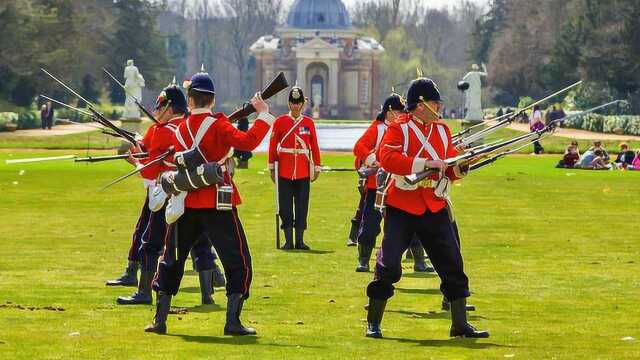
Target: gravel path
[[576, 134], [55, 131]]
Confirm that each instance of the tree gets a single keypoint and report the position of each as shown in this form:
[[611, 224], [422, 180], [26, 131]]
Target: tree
[[135, 37], [247, 20]]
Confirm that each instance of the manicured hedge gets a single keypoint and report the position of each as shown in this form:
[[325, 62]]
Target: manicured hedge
[[625, 124]]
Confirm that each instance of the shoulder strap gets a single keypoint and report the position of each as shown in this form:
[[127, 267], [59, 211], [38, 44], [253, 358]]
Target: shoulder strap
[[180, 138], [405, 135], [381, 129], [424, 141], [202, 130], [444, 138], [295, 125]]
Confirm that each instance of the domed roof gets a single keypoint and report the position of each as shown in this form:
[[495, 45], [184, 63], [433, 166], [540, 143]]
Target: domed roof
[[319, 14]]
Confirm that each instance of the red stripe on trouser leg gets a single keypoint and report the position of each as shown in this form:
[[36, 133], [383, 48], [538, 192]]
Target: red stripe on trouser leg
[[245, 284]]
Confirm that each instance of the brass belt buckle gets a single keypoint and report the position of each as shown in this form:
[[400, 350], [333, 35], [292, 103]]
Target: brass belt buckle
[[426, 183]]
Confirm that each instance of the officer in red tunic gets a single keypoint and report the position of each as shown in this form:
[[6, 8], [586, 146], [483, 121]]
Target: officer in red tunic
[[419, 141], [294, 157], [210, 211]]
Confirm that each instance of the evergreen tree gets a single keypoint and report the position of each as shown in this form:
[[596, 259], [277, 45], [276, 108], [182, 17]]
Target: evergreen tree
[[135, 37]]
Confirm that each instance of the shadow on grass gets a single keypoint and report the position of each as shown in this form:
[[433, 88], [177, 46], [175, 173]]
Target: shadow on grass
[[454, 342], [420, 291], [420, 275], [206, 308], [235, 340], [196, 290], [314, 252], [434, 314]]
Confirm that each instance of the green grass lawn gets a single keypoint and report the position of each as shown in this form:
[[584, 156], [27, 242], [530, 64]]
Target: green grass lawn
[[97, 140], [552, 256]]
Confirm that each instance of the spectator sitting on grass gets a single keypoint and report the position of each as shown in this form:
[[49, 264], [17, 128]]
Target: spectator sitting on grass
[[599, 162], [570, 158], [635, 164], [625, 156], [597, 145], [586, 159], [574, 143]]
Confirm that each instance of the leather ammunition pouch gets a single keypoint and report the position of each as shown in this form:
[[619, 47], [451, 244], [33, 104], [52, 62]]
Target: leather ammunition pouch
[[189, 159]]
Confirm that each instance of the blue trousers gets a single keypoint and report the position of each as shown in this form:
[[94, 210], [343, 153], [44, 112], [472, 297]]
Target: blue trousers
[[437, 235]]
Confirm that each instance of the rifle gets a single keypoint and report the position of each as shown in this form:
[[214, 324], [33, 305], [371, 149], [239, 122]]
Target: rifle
[[86, 113], [40, 159], [554, 124], [135, 99], [276, 85], [503, 121], [276, 173], [98, 116], [150, 163], [93, 159]]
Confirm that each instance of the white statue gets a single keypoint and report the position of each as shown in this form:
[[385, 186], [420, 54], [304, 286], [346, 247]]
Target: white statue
[[134, 82], [473, 95]]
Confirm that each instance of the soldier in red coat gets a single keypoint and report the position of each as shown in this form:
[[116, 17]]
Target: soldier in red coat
[[294, 161], [148, 240], [418, 142], [209, 211], [365, 150]]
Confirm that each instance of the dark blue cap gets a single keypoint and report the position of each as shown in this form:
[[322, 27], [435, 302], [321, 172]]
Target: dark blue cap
[[394, 102], [174, 94], [422, 90], [202, 82]]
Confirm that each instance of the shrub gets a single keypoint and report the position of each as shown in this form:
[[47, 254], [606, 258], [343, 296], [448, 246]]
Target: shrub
[[7, 117], [629, 124], [29, 120]]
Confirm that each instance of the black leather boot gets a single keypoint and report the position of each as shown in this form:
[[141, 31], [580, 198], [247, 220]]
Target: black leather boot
[[300, 245], [459, 324], [143, 295], [353, 234], [419, 260], [447, 306], [364, 255], [163, 304], [128, 278], [218, 277], [288, 239], [234, 309], [374, 317], [206, 286]]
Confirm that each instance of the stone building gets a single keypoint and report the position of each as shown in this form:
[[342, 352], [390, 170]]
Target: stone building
[[319, 49]]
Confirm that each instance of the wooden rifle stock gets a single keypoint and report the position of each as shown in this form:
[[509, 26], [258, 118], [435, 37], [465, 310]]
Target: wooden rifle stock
[[276, 85]]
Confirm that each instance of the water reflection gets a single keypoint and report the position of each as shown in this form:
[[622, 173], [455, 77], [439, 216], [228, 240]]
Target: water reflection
[[331, 137]]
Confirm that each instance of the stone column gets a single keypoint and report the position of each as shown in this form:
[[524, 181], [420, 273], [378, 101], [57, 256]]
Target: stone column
[[334, 69], [301, 75]]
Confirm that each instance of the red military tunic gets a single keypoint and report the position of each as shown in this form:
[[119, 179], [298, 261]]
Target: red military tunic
[[156, 141], [367, 146], [393, 160], [216, 145], [292, 146]]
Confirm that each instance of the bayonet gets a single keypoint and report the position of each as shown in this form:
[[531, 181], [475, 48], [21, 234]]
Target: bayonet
[[98, 116], [150, 163]]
